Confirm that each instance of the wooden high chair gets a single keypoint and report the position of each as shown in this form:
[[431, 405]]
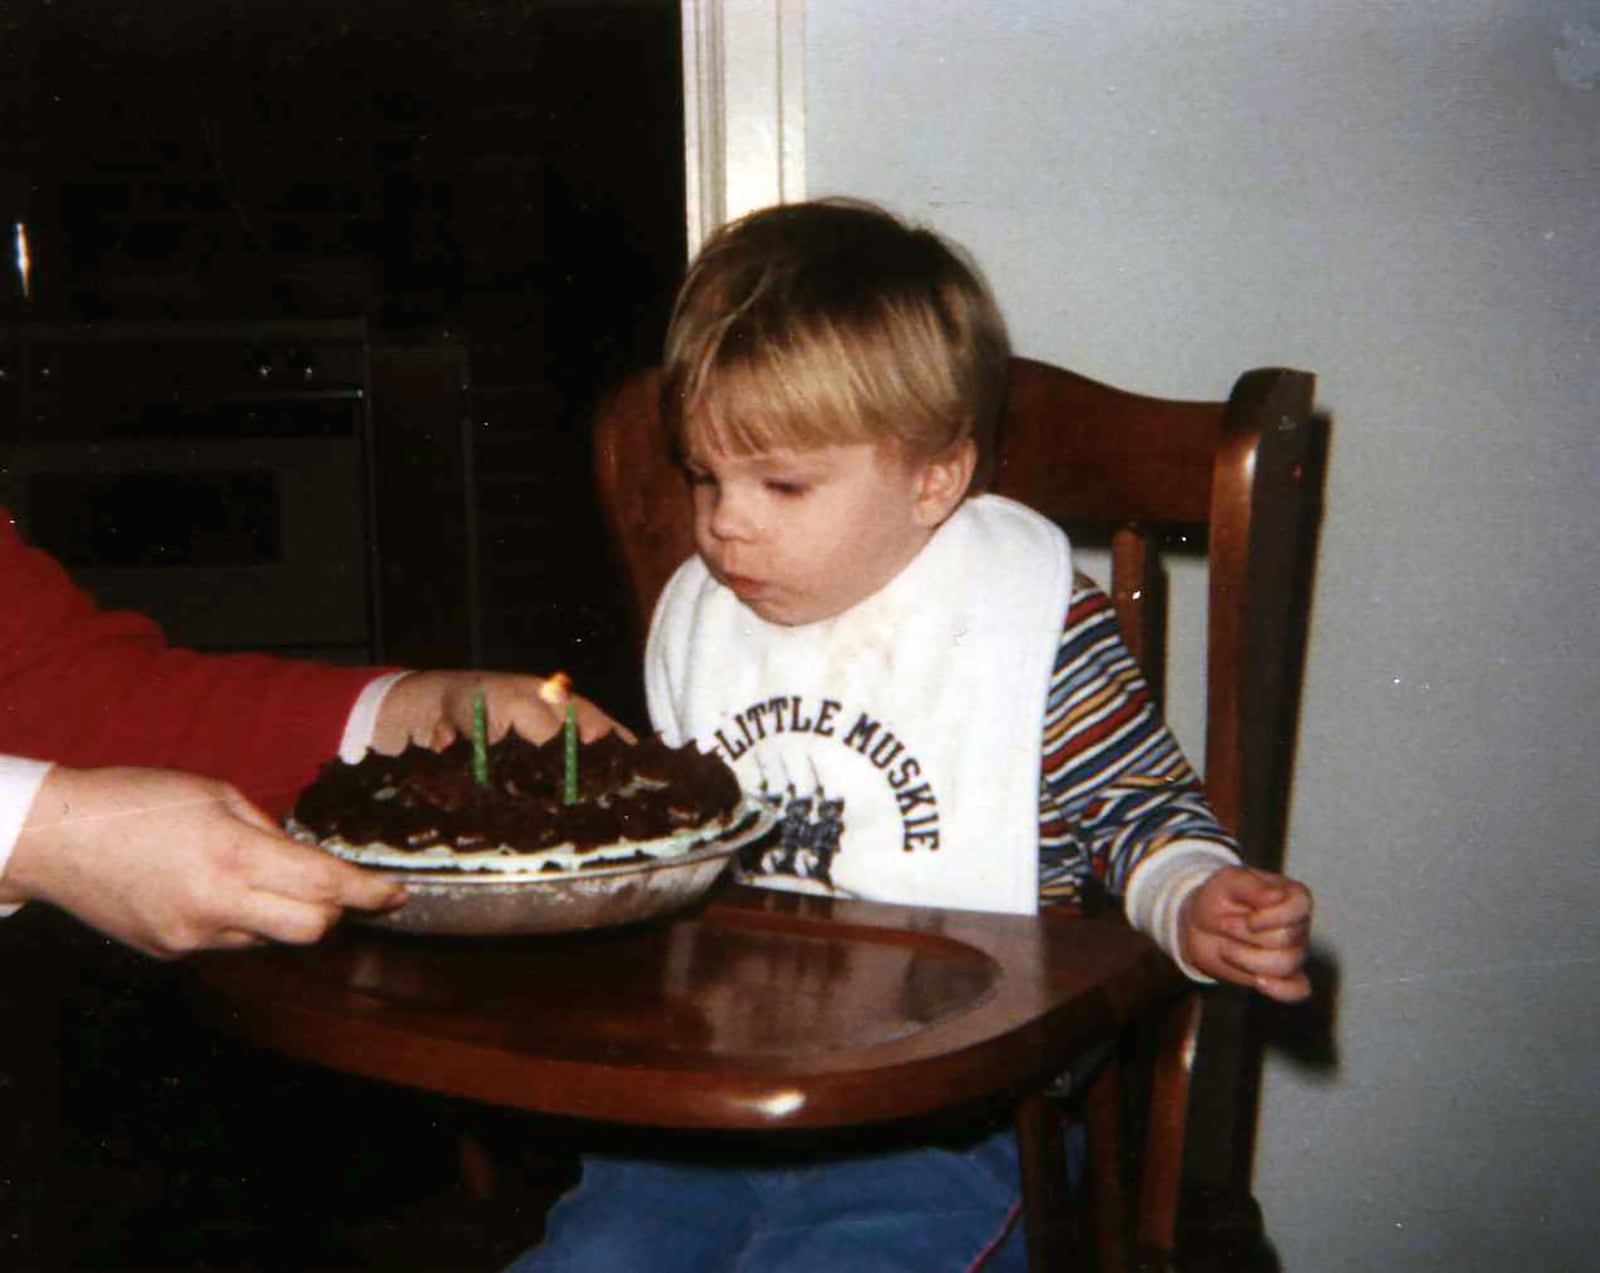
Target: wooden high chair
[[1239, 481]]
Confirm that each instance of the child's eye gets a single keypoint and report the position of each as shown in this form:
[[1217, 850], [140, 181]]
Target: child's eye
[[698, 477], [780, 487]]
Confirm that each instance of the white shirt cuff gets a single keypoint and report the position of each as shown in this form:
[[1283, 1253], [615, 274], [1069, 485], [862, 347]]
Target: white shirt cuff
[[363, 718], [19, 784], [1160, 885]]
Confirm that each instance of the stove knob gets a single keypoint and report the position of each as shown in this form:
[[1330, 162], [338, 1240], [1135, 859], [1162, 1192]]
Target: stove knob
[[302, 363]]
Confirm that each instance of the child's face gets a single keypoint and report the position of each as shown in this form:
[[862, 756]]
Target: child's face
[[801, 536]]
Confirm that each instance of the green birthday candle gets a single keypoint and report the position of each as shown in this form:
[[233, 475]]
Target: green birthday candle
[[480, 740], [569, 793], [557, 691]]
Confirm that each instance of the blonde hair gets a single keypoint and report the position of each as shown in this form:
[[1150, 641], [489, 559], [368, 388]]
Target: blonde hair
[[828, 322]]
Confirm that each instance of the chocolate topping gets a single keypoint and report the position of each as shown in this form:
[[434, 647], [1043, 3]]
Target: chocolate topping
[[421, 798]]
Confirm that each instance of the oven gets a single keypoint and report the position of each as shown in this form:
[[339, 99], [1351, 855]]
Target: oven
[[216, 476]]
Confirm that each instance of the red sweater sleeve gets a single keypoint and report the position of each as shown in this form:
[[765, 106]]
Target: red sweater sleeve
[[86, 687]]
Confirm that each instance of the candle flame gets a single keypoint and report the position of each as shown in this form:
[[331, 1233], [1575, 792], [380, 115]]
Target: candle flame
[[556, 690]]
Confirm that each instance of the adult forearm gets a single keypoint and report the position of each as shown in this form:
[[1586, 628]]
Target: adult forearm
[[170, 862]]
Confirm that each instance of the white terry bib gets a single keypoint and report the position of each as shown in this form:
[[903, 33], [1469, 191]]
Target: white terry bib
[[899, 740]]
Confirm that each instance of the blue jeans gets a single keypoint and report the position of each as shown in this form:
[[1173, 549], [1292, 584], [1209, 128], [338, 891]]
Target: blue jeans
[[917, 1210]]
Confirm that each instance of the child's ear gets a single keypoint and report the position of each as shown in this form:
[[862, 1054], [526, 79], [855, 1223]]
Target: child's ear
[[944, 482]]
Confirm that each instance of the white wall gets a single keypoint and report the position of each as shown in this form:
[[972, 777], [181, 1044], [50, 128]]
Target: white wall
[[1402, 197]]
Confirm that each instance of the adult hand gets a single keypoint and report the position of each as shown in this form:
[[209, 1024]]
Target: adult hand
[[1252, 928], [170, 862], [432, 708]]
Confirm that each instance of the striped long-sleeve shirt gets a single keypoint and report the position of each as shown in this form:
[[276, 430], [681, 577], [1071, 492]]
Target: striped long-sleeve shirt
[[1115, 786]]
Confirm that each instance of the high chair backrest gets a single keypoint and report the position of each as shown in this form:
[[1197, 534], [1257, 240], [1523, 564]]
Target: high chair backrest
[[1239, 481]]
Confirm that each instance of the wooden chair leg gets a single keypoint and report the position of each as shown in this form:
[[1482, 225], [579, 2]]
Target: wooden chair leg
[[1161, 1164], [1047, 1210], [1108, 1193]]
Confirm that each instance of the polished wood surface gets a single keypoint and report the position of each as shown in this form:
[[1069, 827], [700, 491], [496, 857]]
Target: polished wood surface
[[758, 1010]]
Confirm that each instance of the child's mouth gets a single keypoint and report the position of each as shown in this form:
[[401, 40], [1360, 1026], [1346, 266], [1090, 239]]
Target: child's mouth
[[744, 587]]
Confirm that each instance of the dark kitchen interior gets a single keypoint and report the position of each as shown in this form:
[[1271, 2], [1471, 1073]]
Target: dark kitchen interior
[[381, 261], [496, 187]]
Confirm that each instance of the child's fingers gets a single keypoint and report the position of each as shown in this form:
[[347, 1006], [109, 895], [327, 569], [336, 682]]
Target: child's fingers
[[1247, 890], [1284, 936], [1291, 989], [1292, 907], [1257, 964], [1246, 928]]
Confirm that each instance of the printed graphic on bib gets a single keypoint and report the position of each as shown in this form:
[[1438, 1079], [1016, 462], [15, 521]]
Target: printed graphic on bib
[[806, 838]]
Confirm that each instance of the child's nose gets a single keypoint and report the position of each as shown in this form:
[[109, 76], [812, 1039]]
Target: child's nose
[[732, 517]]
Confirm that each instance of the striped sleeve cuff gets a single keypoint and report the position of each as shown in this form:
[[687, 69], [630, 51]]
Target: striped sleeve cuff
[[1161, 884]]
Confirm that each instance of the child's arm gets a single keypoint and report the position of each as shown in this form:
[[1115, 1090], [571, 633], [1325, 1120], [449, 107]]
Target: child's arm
[[1250, 927], [1121, 802], [1117, 788]]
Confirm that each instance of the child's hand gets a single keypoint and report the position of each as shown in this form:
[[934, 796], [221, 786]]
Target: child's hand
[[1250, 927]]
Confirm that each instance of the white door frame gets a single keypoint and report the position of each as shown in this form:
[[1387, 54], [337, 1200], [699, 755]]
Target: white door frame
[[744, 109]]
